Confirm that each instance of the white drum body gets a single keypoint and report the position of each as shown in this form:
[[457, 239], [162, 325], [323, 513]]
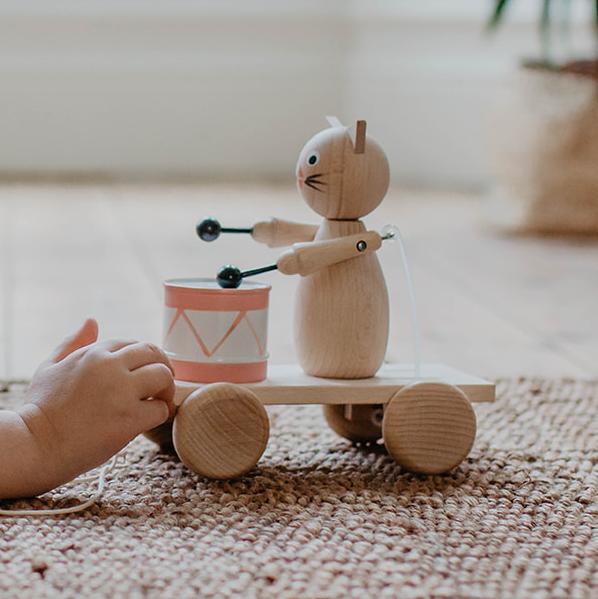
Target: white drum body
[[213, 334]]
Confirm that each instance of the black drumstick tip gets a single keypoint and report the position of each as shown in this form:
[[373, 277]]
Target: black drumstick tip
[[208, 229], [229, 277]]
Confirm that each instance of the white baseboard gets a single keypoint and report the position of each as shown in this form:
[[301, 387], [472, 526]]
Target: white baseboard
[[221, 89], [192, 92]]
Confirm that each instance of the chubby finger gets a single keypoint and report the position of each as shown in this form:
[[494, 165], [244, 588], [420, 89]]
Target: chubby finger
[[141, 354], [85, 335], [155, 381], [154, 413]]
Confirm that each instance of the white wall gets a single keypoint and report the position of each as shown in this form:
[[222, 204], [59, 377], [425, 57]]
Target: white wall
[[233, 88]]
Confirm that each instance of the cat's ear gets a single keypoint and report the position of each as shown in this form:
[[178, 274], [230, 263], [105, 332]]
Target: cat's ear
[[357, 134], [333, 121]]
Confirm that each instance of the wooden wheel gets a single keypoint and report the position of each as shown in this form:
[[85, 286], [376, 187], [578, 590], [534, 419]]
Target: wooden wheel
[[221, 431], [429, 427], [355, 422]]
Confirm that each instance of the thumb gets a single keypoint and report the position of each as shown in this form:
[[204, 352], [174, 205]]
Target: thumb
[[87, 334]]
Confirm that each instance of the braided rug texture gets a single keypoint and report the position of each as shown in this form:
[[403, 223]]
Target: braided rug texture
[[322, 518]]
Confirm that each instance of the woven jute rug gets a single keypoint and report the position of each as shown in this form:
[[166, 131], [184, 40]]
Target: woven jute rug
[[323, 518]]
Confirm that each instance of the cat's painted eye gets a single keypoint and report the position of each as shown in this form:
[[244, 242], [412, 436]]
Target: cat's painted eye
[[313, 158]]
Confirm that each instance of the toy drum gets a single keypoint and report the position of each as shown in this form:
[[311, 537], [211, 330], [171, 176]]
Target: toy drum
[[213, 334]]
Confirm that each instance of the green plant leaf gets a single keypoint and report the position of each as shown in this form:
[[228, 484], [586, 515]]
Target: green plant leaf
[[545, 16], [545, 31], [498, 13]]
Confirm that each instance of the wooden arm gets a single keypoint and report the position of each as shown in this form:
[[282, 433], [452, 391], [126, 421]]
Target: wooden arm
[[279, 233], [306, 258]]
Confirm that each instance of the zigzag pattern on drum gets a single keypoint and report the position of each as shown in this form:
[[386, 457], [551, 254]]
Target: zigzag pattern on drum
[[240, 317]]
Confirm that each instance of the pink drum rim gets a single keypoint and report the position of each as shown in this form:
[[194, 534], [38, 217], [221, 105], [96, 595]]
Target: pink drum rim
[[179, 295], [194, 372]]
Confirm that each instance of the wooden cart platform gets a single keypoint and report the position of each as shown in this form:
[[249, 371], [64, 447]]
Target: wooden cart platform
[[288, 384]]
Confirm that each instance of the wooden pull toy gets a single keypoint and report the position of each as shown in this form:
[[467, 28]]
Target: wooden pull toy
[[215, 331]]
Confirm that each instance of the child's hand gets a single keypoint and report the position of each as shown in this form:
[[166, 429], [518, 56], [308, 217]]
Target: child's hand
[[90, 399]]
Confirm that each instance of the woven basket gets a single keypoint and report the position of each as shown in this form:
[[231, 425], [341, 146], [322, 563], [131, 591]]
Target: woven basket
[[546, 141]]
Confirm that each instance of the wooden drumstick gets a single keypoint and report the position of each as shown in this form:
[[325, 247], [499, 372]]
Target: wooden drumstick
[[274, 232], [209, 229]]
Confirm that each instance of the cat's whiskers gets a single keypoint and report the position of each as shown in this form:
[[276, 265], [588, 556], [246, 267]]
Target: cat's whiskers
[[314, 180]]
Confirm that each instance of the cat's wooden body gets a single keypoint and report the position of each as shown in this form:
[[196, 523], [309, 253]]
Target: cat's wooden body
[[341, 313]]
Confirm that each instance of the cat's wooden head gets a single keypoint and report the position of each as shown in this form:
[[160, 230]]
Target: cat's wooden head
[[342, 173]]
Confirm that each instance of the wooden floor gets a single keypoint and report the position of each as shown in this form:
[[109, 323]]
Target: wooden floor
[[489, 304]]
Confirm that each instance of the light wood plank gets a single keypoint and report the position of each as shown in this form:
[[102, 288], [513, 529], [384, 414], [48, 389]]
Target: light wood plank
[[288, 384], [468, 334], [540, 286], [464, 295], [491, 305], [69, 262]]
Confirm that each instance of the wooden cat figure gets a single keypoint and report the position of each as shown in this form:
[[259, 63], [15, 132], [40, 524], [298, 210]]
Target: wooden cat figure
[[341, 309]]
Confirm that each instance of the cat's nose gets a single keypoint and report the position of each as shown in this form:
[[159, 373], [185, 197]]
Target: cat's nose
[[300, 177]]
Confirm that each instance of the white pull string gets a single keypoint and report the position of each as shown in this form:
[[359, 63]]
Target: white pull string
[[392, 233], [100, 477]]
